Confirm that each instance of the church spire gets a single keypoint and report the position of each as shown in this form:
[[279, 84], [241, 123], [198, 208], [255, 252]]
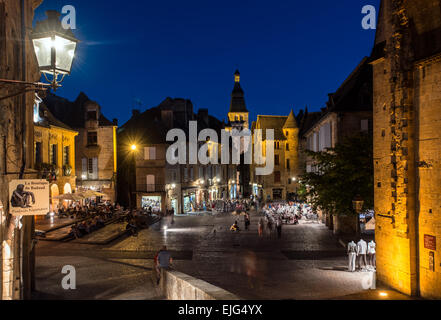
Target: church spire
[[237, 96]]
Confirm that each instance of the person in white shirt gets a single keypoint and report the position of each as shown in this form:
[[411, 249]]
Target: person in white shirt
[[372, 251], [361, 253], [352, 255]]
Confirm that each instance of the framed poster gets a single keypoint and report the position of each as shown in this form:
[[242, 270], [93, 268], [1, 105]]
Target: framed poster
[[430, 242], [29, 197]]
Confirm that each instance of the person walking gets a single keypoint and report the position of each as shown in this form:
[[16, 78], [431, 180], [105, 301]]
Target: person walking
[[247, 222], [163, 261], [260, 228], [279, 228], [269, 226]]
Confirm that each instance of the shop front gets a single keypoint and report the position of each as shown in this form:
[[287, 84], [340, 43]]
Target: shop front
[[153, 202], [233, 192], [189, 202]]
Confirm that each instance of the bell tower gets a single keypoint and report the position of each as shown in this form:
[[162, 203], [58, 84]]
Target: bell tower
[[238, 115]]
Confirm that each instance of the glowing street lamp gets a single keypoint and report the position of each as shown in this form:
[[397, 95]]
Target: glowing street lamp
[[133, 147], [54, 47]]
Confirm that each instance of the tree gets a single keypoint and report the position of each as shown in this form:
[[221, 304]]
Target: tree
[[341, 174]]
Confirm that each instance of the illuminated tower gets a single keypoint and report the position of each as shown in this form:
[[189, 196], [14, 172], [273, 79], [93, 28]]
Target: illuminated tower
[[238, 115]]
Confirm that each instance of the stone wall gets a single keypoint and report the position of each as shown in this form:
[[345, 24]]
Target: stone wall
[[16, 127], [179, 286], [407, 106]]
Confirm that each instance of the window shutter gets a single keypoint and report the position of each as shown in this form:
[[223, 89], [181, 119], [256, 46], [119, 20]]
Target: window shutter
[[150, 183], [152, 153], [84, 167]]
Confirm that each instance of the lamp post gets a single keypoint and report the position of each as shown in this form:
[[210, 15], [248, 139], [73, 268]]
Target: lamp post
[[55, 49], [357, 204]]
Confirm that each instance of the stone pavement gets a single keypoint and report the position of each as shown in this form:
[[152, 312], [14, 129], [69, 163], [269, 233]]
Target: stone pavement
[[97, 279], [308, 263], [55, 223]]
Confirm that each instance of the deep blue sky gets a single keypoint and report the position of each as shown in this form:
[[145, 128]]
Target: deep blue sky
[[290, 53]]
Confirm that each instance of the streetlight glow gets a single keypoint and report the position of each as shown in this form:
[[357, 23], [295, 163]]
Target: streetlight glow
[[133, 147]]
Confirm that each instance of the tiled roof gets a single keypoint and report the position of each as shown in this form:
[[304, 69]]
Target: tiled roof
[[47, 119], [72, 113], [272, 122]]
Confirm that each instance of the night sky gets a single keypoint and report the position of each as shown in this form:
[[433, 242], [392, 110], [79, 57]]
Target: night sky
[[290, 53]]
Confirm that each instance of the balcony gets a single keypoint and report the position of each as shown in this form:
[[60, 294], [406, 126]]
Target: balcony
[[150, 188]]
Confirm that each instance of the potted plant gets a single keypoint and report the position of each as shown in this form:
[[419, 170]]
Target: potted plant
[[67, 170]]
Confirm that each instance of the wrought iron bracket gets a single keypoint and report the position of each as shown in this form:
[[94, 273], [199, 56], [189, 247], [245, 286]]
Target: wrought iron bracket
[[26, 87]]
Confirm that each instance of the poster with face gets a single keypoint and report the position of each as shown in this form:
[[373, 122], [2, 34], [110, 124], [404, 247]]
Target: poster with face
[[29, 197]]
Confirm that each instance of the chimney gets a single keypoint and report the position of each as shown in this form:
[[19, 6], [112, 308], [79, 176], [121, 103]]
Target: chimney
[[115, 122]]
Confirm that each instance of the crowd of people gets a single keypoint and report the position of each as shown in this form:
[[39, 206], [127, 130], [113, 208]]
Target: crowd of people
[[288, 212], [93, 216], [76, 210], [235, 205]]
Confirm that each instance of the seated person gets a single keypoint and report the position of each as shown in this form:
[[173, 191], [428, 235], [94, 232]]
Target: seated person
[[100, 222], [235, 227], [132, 227]]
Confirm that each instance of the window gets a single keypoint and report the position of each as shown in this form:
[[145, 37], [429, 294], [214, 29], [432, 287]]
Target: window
[[276, 145], [53, 154], [92, 138], [288, 164], [150, 153], [185, 174], [364, 125], [91, 115], [151, 183], [277, 177], [325, 137], [277, 160], [201, 173], [92, 168], [191, 173], [38, 153], [289, 181], [66, 156], [84, 167], [287, 147]]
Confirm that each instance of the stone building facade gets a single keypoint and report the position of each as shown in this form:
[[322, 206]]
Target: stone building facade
[[146, 179], [284, 182], [17, 62], [407, 112], [95, 145], [348, 112], [54, 153]]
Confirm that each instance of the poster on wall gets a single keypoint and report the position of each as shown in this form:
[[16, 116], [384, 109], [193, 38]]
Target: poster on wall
[[29, 197]]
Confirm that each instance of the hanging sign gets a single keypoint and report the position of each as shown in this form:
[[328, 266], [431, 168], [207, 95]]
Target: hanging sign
[[29, 197], [430, 242]]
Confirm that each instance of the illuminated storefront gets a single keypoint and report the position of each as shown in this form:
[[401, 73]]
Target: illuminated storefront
[[154, 202]]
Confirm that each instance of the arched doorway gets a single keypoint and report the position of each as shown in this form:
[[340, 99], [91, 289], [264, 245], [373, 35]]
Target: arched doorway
[[67, 188], [55, 192]]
